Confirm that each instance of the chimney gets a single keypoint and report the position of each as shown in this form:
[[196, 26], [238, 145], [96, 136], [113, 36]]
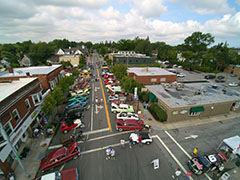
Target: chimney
[[28, 74], [10, 70]]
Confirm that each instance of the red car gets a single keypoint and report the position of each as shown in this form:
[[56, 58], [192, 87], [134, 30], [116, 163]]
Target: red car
[[68, 174], [71, 124], [60, 156], [129, 124]]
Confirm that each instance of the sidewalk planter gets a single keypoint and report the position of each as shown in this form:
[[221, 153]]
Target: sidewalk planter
[[158, 113]]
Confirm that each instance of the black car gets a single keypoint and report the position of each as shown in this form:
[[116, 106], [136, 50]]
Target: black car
[[210, 76], [220, 79], [74, 114]]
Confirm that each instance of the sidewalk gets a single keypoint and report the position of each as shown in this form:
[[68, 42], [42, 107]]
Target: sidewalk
[[37, 146]]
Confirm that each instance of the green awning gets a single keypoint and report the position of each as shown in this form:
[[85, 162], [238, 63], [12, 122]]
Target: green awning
[[152, 97], [197, 109]]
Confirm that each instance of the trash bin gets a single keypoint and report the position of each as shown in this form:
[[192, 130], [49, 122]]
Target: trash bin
[[225, 176]]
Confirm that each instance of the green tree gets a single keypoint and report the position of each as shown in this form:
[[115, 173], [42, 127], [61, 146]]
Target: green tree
[[82, 61], [66, 82], [119, 70], [48, 104], [58, 95]]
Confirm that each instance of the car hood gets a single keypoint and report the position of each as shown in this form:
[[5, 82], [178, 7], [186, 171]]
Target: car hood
[[70, 174], [43, 162]]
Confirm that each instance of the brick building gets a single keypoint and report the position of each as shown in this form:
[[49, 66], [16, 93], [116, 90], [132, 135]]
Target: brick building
[[47, 75], [151, 75], [20, 102], [233, 69]]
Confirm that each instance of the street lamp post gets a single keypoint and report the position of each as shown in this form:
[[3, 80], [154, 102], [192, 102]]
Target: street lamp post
[[13, 149]]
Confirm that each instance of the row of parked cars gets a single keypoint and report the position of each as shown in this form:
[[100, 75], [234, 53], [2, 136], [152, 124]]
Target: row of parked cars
[[221, 79], [71, 128], [126, 118]]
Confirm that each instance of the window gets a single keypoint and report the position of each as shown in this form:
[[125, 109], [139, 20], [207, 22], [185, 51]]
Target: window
[[37, 98], [154, 80], [28, 104], [16, 115], [162, 79]]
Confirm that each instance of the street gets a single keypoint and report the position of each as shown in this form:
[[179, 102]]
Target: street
[[173, 148]]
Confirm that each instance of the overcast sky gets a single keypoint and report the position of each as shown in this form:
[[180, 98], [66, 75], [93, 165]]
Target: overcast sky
[[170, 21]]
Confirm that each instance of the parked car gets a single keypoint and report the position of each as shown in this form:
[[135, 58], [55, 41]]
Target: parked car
[[210, 76], [146, 137], [125, 115], [77, 108], [121, 108], [113, 98], [129, 124], [71, 103], [73, 115], [220, 78], [71, 124], [199, 165], [233, 84], [181, 75], [71, 137], [66, 174], [77, 97], [60, 156]]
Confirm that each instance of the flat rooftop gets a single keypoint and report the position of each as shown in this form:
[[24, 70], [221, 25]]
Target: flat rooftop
[[33, 70], [194, 94], [8, 88], [149, 71]]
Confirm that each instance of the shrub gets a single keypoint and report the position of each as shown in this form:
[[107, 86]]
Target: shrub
[[158, 113], [143, 97]]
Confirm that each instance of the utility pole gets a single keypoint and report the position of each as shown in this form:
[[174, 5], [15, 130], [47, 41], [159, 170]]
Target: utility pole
[[13, 149]]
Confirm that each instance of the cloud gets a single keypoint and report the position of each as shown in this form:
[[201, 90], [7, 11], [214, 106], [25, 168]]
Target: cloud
[[150, 8], [207, 6]]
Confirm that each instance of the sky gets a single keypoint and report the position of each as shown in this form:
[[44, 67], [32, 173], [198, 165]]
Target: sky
[[170, 21]]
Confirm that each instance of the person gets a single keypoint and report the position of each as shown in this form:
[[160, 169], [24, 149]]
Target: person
[[113, 154], [108, 152], [97, 101], [176, 174], [101, 100], [122, 141], [35, 132], [195, 151], [140, 141], [130, 142], [187, 175]]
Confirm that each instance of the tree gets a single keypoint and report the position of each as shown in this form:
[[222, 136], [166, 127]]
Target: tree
[[48, 104], [82, 61], [58, 95], [65, 83], [198, 41], [119, 70]]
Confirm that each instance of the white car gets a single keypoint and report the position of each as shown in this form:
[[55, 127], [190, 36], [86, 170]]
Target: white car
[[181, 75], [146, 137], [233, 84], [124, 116], [113, 98]]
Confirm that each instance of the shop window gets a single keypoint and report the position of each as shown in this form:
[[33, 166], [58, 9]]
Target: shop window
[[154, 80], [194, 113], [28, 104], [16, 115], [162, 79]]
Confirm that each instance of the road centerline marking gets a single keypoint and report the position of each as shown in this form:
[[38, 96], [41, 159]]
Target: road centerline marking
[[105, 103], [91, 128]]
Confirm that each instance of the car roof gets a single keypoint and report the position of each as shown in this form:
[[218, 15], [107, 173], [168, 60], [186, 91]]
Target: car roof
[[144, 135], [131, 121]]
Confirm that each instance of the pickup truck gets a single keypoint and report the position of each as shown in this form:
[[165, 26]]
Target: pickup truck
[[121, 108]]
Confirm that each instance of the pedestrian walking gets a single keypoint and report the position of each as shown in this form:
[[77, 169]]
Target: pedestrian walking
[[140, 141], [187, 175], [113, 154], [130, 142], [101, 100], [176, 174], [96, 101], [195, 151], [108, 153], [122, 142]]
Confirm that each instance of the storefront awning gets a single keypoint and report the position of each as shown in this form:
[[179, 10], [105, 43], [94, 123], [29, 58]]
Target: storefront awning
[[197, 109], [152, 97]]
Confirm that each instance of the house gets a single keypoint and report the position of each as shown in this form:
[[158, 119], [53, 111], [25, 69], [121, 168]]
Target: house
[[73, 59], [5, 62], [182, 101], [49, 76], [72, 51], [53, 59], [130, 57], [25, 61], [20, 105], [233, 69], [151, 75]]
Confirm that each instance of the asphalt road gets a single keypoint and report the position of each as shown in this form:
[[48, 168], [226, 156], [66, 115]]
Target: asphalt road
[[173, 148]]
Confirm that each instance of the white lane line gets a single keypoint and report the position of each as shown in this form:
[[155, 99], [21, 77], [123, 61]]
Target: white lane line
[[171, 154], [96, 131], [183, 150], [107, 136], [91, 128]]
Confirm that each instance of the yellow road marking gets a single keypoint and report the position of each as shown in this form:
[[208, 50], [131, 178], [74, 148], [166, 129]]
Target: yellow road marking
[[105, 103]]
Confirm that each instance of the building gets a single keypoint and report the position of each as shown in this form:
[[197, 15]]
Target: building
[[233, 69], [151, 75], [130, 57], [79, 50], [53, 60], [20, 102], [25, 61], [73, 59], [47, 75], [194, 100]]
